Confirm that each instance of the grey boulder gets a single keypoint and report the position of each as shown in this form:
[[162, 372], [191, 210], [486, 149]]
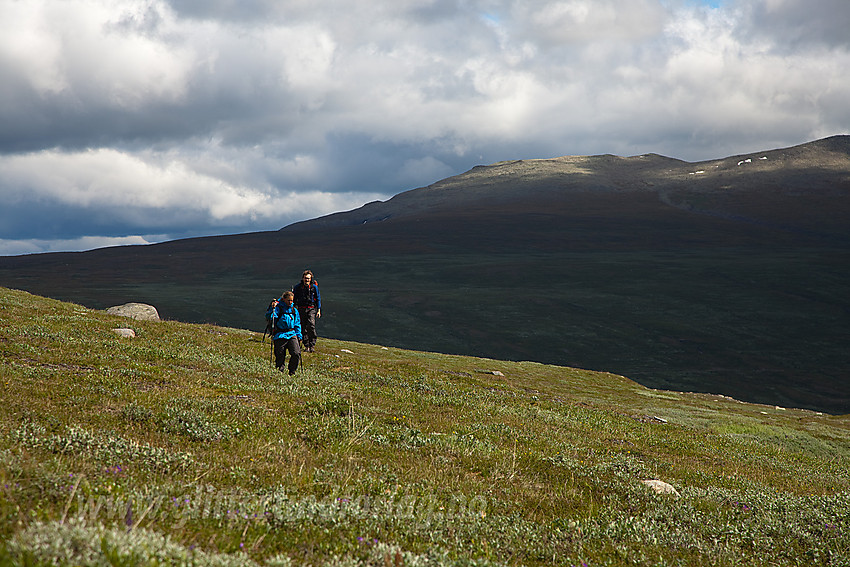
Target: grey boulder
[[137, 311]]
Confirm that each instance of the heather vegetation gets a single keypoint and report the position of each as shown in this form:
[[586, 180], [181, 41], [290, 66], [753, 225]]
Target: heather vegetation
[[183, 446]]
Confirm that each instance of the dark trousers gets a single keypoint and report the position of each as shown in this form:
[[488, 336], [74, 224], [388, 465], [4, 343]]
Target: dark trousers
[[308, 326], [280, 348]]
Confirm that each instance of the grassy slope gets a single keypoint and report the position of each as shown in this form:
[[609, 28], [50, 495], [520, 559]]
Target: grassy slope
[[184, 444]]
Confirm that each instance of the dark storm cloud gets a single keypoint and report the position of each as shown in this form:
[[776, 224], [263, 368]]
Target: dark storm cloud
[[802, 24], [228, 10]]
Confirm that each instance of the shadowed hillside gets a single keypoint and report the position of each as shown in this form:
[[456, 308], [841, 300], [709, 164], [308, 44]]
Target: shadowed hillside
[[802, 190], [727, 276]]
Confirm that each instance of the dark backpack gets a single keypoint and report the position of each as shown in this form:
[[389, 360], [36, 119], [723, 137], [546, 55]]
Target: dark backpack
[[269, 330], [309, 289]]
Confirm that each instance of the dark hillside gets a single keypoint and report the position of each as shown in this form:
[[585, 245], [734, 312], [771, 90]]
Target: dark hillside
[[727, 276], [799, 189]]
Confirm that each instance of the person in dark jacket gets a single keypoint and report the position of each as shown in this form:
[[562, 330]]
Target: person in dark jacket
[[308, 300], [286, 332]]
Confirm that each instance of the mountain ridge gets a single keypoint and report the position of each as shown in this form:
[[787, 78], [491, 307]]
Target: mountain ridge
[[777, 171]]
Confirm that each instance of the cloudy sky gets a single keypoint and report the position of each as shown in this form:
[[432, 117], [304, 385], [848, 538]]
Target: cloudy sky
[[138, 121]]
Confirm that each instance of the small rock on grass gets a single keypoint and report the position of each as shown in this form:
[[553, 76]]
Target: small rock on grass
[[661, 487]]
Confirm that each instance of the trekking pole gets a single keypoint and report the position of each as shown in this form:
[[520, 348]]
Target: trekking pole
[[271, 336]]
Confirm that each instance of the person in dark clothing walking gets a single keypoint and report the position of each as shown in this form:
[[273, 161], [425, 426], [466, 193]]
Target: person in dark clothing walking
[[286, 332], [308, 300]]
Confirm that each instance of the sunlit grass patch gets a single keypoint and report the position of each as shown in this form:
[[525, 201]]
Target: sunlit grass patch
[[185, 442], [100, 447], [79, 544]]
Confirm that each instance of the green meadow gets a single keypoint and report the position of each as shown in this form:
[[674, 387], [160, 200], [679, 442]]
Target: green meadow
[[184, 446]]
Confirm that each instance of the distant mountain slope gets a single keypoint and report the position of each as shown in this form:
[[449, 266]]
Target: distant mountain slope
[[727, 276], [779, 188]]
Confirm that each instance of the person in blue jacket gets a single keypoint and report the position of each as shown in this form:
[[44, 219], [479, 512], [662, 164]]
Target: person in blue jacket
[[286, 332], [308, 300]]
